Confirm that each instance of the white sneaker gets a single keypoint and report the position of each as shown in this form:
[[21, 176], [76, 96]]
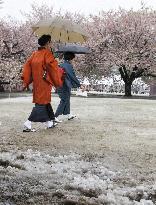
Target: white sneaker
[[57, 120], [50, 124], [70, 116]]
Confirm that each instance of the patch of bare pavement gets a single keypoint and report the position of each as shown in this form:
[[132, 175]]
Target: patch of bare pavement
[[107, 156]]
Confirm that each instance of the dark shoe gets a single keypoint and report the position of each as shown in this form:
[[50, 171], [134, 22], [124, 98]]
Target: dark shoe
[[29, 130], [71, 117]]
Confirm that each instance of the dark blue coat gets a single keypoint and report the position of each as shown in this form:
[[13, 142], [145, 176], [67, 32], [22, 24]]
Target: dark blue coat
[[71, 80], [64, 92]]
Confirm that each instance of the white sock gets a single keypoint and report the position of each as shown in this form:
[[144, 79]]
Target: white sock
[[28, 124], [49, 124]]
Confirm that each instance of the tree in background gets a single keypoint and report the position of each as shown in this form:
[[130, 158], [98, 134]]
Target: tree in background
[[10, 55], [124, 40], [15, 47], [18, 41]]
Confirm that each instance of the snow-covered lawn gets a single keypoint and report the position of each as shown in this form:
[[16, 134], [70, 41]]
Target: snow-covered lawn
[[107, 156]]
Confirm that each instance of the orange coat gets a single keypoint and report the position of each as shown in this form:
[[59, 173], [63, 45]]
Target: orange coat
[[33, 73]]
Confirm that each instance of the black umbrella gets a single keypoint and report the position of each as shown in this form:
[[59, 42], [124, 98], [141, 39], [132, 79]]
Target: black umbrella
[[77, 49]]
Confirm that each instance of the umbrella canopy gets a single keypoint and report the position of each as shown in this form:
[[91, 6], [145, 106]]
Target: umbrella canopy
[[61, 30], [73, 48]]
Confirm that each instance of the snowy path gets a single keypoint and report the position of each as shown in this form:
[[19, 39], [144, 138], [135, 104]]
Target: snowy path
[[106, 156]]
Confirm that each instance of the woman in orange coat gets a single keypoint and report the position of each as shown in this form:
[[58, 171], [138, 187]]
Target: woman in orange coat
[[41, 69]]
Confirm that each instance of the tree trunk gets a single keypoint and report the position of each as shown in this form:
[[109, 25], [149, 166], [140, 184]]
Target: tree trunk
[[1, 87], [128, 86], [153, 89]]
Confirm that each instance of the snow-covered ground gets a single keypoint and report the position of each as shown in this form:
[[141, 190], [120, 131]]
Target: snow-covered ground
[[115, 85], [107, 156]]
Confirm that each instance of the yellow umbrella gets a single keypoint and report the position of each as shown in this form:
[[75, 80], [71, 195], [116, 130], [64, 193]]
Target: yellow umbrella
[[61, 30]]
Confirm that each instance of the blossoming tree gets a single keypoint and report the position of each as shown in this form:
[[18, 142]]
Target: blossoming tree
[[124, 40]]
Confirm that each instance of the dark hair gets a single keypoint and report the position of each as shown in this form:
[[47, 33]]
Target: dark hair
[[69, 56], [44, 39]]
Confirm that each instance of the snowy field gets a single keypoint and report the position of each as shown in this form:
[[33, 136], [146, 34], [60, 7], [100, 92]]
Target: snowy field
[[107, 156]]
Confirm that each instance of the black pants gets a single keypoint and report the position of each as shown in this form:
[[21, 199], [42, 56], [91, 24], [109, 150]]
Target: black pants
[[42, 113]]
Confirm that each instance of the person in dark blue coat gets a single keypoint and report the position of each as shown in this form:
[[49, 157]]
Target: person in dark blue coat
[[64, 92]]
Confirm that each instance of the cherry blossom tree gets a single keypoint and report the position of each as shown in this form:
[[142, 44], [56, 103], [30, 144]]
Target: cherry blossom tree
[[13, 52], [18, 41], [124, 40], [8, 53]]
